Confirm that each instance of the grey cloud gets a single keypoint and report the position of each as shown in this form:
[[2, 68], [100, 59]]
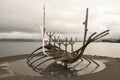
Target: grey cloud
[[61, 15]]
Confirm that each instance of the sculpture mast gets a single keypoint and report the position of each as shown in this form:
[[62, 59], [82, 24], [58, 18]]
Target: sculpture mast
[[43, 31], [85, 23]]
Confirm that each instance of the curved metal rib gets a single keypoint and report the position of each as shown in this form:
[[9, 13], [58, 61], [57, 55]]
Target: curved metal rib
[[93, 61], [37, 60], [42, 63], [30, 58], [33, 52]]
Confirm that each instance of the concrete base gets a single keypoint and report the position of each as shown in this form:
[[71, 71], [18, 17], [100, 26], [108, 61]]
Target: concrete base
[[54, 70]]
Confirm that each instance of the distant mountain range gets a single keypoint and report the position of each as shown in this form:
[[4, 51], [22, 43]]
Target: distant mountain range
[[38, 40], [21, 40], [111, 40]]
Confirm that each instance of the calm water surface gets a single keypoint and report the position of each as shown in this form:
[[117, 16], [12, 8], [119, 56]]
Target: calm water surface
[[97, 48]]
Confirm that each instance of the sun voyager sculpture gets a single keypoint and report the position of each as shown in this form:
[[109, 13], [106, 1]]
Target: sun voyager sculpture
[[51, 52]]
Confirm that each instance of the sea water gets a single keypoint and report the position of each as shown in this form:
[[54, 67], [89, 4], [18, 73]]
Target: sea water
[[96, 48]]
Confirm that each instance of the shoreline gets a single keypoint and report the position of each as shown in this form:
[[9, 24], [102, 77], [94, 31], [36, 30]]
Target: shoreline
[[111, 72]]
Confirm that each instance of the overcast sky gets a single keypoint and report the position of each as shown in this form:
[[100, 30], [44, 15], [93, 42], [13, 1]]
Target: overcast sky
[[18, 18]]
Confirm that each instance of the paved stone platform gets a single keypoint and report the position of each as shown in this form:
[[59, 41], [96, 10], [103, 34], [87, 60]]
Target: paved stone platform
[[46, 69]]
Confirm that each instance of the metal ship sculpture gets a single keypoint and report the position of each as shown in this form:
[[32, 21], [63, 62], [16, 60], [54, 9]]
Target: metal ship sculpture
[[51, 49]]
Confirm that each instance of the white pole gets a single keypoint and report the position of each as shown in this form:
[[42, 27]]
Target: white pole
[[43, 31]]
